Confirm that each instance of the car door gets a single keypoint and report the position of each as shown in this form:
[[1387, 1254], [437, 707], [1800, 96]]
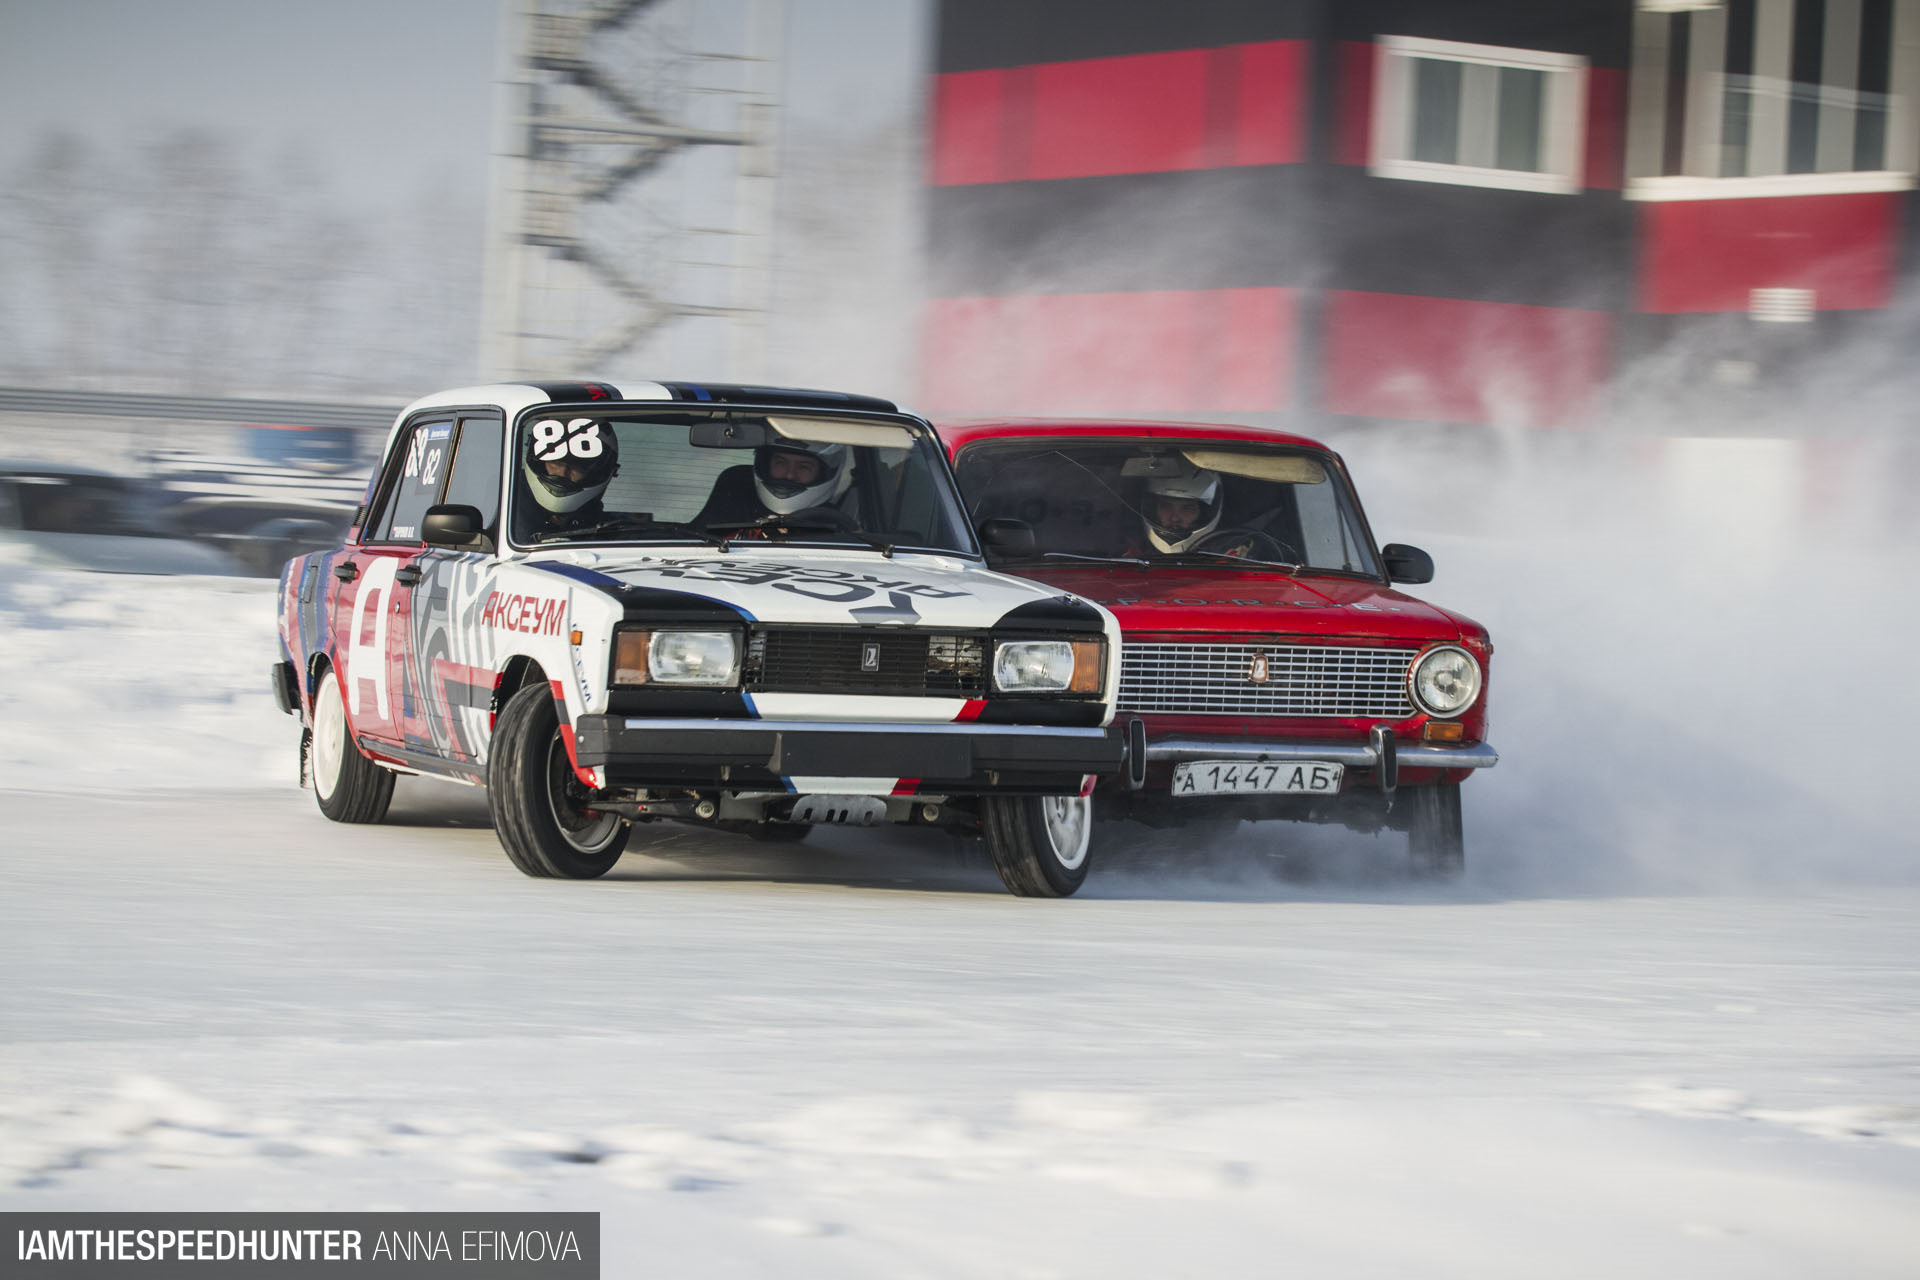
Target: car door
[[446, 658], [374, 608]]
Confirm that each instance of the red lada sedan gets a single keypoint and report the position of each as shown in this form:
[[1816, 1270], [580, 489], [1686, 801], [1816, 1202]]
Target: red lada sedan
[[1275, 668]]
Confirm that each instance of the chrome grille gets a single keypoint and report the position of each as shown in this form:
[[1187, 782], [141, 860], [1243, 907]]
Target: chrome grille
[[1302, 680]]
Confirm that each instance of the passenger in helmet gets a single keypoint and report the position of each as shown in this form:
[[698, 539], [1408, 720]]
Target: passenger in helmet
[[786, 477], [1181, 510], [567, 466]]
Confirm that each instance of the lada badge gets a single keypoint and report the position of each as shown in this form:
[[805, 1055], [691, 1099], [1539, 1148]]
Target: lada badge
[[870, 657], [1257, 673]]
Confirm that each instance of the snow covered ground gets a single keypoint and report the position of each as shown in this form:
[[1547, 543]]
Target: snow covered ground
[[1669, 1023]]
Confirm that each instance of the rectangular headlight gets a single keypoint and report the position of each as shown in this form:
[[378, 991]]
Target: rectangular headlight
[[694, 657], [1048, 666]]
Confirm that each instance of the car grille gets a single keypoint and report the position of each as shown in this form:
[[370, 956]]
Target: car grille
[[1302, 680], [826, 660]]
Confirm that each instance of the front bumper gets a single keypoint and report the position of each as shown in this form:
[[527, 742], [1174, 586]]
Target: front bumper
[[1357, 755], [756, 755]]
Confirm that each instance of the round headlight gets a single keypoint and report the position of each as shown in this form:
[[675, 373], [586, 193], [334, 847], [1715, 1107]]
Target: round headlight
[[1446, 681]]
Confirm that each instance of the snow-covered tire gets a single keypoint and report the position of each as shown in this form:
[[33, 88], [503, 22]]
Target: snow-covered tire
[[349, 787], [1436, 836], [537, 803], [1040, 845]]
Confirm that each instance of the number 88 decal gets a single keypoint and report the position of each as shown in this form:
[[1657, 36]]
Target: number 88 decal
[[554, 440]]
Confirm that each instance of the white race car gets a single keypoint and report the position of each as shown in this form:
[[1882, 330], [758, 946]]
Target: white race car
[[754, 608]]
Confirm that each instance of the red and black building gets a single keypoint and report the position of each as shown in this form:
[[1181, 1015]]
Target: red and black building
[[1316, 212]]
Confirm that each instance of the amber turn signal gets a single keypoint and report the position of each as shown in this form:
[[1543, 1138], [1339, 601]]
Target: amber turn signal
[[1444, 731], [630, 657], [1089, 675]]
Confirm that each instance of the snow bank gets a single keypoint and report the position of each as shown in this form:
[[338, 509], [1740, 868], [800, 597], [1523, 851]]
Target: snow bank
[[122, 682]]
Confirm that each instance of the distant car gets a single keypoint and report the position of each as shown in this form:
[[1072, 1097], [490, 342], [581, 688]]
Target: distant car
[[70, 517], [262, 534], [1278, 671], [745, 607]]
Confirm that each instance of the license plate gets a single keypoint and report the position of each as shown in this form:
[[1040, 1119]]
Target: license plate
[[1269, 778]]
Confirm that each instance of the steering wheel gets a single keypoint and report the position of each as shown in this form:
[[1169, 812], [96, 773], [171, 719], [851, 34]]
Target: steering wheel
[[1249, 543]]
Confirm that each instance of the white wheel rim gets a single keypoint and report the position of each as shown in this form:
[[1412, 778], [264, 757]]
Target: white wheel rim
[[1069, 823], [329, 737]]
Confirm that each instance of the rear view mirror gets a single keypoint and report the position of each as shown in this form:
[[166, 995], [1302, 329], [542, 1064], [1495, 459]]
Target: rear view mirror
[[1407, 564], [728, 435], [456, 526], [1007, 539]]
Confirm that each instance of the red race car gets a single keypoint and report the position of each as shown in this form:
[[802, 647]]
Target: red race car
[[1275, 669]]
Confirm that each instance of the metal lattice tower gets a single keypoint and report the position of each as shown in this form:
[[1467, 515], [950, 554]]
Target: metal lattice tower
[[633, 186]]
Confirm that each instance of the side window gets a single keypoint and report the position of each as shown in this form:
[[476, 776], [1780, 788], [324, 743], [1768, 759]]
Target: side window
[[1477, 115], [475, 480], [417, 486]]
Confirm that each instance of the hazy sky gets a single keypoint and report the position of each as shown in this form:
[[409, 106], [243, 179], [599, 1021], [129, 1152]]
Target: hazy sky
[[385, 92]]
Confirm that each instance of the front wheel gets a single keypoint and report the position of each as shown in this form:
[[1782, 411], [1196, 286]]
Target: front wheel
[[1039, 844], [540, 809], [1436, 837], [349, 787]]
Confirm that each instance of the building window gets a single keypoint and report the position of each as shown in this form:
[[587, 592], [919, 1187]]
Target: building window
[[1478, 115], [1771, 97]]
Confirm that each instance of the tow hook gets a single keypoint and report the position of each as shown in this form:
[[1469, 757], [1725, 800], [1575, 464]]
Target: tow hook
[[1386, 757], [1136, 754]]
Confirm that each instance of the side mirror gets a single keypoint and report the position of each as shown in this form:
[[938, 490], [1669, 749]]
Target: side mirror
[[456, 526], [1007, 539], [1407, 564]]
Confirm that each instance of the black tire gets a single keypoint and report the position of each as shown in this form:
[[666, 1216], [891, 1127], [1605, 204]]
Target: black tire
[[1040, 845], [538, 804], [1436, 837], [349, 787]]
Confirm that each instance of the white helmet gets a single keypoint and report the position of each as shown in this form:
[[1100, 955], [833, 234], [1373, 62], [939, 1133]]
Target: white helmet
[[784, 497], [590, 451], [1198, 486]]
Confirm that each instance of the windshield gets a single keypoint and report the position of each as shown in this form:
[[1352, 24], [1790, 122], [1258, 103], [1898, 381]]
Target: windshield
[[1170, 501], [730, 478]]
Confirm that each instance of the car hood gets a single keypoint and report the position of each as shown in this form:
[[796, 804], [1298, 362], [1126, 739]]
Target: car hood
[[813, 586], [1162, 598], [112, 553]]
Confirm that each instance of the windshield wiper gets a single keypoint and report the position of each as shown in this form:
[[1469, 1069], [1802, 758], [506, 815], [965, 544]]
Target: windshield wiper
[[1071, 555], [815, 518], [1215, 557], [630, 524]]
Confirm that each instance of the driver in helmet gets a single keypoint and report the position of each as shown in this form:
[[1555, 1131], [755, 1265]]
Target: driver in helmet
[[568, 475], [1181, 510], [786, 477]]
